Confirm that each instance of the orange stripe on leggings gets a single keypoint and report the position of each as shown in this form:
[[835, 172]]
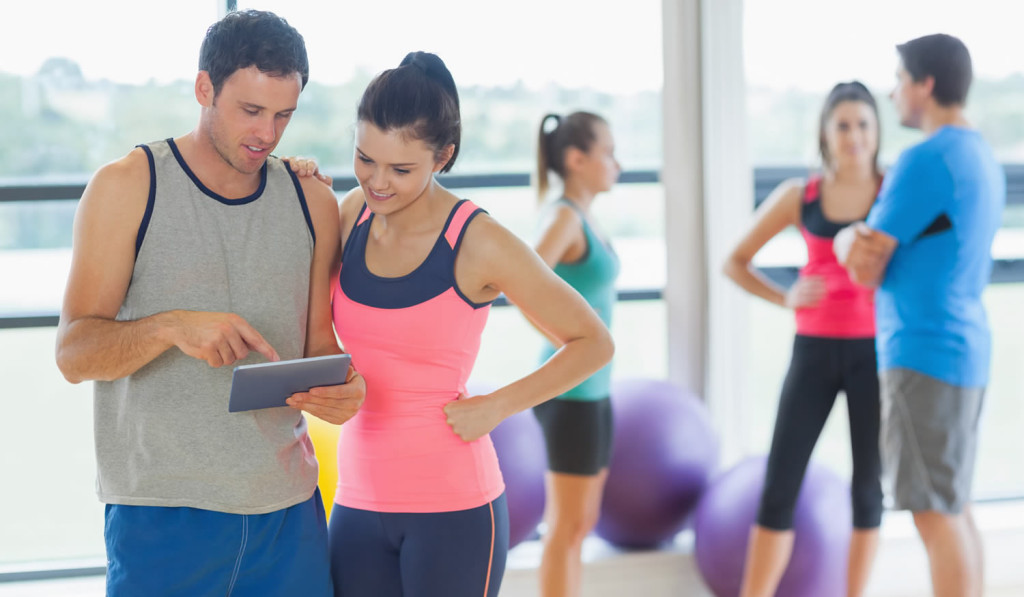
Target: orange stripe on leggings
[[490, 560]]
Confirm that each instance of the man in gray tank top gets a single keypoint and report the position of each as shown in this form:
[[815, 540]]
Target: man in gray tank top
[[192, 255]]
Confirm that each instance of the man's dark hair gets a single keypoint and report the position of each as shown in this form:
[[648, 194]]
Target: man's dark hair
[[252, 38], [944, 58]]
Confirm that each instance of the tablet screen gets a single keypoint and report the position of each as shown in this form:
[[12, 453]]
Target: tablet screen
[[268, 385]]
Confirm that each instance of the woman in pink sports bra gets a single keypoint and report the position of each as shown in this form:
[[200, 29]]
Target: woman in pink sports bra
[[419, 507], [834, 348]]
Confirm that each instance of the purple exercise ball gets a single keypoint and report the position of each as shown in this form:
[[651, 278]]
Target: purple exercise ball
[[519, 443], [664, 452], [821, 523]]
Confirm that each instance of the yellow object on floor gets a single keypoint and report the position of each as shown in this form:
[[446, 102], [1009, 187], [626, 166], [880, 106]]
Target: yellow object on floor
[[325, 444]]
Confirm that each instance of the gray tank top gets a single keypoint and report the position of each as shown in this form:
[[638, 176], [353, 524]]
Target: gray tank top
[[164, 436]]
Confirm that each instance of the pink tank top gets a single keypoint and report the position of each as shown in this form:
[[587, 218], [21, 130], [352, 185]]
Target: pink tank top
[[847, 309], [414, 339]]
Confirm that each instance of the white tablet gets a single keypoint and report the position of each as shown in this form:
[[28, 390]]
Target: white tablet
[[268, 385]]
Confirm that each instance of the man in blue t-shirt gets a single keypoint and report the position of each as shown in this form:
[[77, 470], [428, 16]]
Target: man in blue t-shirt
[[926, 245]]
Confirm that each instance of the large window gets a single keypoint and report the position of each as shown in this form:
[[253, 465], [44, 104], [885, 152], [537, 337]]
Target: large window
[[791, 63], [82, 83], [77, 96], [511, 67]]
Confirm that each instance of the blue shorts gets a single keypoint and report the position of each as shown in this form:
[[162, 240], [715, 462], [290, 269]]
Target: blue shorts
[[390, 554], [156, 551]]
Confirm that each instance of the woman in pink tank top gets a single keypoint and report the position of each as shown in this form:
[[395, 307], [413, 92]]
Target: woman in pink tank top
[[834, 347], [419, 507]]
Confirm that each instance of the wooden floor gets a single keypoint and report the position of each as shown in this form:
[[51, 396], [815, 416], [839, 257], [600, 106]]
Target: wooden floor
[[93, 587], [608, 573], [900, 569]]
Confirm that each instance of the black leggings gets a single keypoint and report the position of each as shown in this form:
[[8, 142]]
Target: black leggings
[[819, 369]]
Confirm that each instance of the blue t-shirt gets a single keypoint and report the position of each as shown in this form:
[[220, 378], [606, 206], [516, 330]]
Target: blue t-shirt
[[943, 201]]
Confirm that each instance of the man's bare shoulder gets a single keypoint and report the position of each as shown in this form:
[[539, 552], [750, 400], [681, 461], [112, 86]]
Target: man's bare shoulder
[[122, 183], [318, 194]]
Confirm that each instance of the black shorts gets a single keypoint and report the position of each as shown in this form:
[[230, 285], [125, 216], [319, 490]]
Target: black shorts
[[578, 434]]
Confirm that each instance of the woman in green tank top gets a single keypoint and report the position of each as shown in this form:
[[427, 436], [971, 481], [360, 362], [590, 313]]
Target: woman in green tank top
[[577, 425]]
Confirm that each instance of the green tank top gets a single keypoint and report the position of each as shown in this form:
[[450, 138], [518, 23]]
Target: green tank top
[[593, 276]]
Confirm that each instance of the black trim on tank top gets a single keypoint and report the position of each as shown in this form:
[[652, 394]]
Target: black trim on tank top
[[302, 200], [430, 279], [455, 253], [451, 216], [442, 240], [812, 216], [206, 191], [813, 219], [352, 232], [150, 201]]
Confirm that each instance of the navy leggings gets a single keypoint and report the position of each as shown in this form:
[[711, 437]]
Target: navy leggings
[[819, 369], [388, 554]]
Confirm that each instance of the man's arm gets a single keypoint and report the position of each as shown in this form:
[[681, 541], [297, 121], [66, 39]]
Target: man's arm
[[90, 343], [334, 404], [916, 191], [865, 253], [323, 212]]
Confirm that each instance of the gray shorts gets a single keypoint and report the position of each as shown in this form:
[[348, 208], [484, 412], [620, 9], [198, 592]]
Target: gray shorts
[[929, 440]]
